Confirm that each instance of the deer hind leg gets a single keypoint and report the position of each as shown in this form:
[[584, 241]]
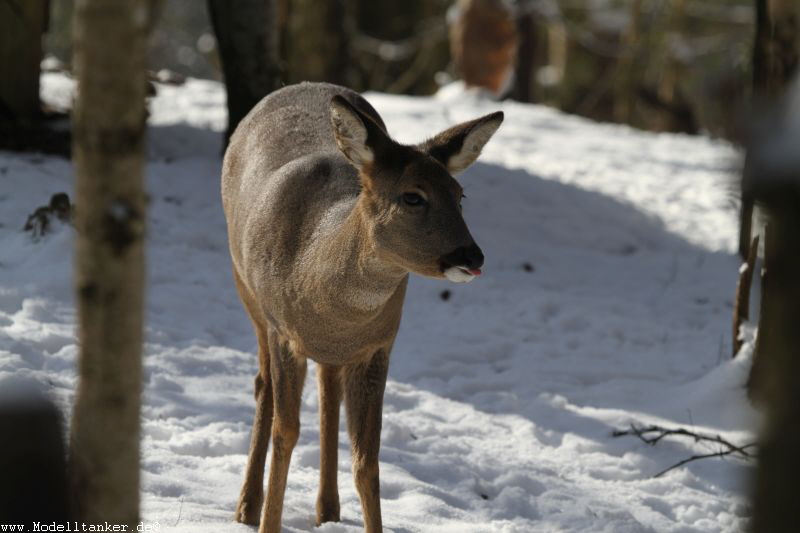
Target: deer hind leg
[[363, 390], [288, 373], [251, 498], [330, 399]]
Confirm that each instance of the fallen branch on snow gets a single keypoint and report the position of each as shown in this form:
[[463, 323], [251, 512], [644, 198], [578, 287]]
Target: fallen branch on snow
[[657, 433]]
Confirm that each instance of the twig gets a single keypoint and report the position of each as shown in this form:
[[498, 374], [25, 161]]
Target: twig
[[661, 432], [696, 457], [180, 511]]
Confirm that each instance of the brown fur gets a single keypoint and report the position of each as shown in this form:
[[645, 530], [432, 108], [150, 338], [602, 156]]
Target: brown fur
[[322, 243]]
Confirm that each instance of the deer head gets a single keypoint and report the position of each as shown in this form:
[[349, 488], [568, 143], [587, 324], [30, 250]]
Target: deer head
[[409, 199]]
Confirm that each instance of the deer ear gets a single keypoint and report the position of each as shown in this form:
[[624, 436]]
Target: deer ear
[[458, 147], [357, 135]]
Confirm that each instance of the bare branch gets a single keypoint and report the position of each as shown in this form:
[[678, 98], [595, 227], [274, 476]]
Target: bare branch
[[653, 434], [696, 457]]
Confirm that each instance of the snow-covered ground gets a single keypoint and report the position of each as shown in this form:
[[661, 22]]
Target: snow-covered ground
[[502, 398]]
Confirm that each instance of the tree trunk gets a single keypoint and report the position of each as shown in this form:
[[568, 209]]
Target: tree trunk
[[775, 50], [625, 84], [21, 27], [778, 358], [775, 61], [248, 41], [108, 145], [526, 49], [772, 180], [317, 44], [483, 44]]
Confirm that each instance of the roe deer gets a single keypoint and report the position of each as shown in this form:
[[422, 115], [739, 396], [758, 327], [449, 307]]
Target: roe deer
[[327, 215]]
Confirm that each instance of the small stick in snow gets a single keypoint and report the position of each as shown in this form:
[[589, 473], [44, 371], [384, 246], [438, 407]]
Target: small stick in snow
[[721, 453], [741, 309], [660, 432]]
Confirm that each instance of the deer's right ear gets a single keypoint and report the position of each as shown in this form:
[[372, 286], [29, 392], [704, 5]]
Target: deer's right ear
[[356, 135]]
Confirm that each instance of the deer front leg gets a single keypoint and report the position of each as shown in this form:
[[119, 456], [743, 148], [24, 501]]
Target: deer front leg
[[330, 398], [363, 388], [288, 373]]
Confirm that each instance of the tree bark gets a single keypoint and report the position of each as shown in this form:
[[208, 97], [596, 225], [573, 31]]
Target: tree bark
[[775, 61], [775, 50], [247, 35], [526, 48], [778, 359], [625, 83], [317, 41], [108, 146]]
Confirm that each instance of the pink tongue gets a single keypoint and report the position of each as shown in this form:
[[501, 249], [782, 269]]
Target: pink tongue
[[474, 271]]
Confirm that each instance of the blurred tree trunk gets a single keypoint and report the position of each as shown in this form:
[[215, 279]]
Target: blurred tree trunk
[[526, 50], [108, 146], [483, 44], [625, 85], [669, 78], [317, 41], [23, 123], [674, 112], [396, 47], [22, 24], [775, 51], [772, 180], [775, 61], [775, 501], [248, 39]]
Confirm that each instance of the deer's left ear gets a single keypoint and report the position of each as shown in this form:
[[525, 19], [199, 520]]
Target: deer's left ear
[[458, 147]]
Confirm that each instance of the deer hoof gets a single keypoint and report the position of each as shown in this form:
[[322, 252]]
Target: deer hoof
[[327, 512], [247, 513]]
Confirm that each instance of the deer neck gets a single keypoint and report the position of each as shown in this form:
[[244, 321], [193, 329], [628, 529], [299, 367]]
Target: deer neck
[[353, 274]]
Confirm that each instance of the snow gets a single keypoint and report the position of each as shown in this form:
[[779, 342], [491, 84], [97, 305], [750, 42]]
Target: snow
[[502, 398]]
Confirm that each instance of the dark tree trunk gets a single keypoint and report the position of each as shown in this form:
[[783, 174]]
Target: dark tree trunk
[[526, 47], [21, 27], [317, 45], [108, 154], [248, 40], [778, 365], [775, 53], [23, 124], [775, 61], [773, 180]]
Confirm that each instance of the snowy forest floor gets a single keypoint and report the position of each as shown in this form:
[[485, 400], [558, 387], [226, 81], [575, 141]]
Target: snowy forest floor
[[606, 300]]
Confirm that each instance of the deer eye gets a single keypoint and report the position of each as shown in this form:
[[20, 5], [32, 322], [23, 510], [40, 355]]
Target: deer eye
[[412, 198]]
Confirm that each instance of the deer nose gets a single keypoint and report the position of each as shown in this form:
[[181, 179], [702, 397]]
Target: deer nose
[[465, 256]]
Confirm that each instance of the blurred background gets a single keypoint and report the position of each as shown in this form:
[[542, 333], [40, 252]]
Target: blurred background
[[662, 65]]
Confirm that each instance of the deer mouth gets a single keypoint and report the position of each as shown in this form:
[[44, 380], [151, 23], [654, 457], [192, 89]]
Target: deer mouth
[[461, 274]]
